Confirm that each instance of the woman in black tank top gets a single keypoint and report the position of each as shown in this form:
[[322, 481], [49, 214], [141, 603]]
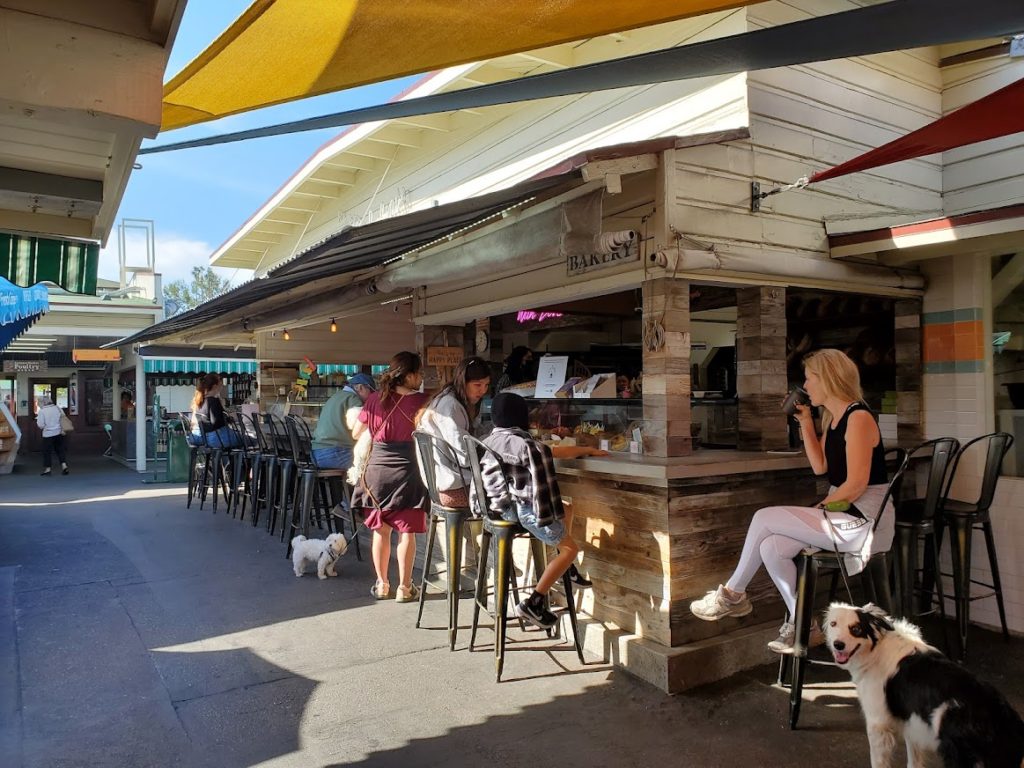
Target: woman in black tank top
[[850, 452]]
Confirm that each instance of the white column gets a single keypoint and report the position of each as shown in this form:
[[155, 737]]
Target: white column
[[140, 415]]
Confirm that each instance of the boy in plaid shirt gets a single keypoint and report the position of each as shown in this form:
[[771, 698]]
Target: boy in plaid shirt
[[531, 497]]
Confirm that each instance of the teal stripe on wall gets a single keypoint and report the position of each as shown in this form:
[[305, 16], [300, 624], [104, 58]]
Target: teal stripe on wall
[[951, 316], [958, 366]]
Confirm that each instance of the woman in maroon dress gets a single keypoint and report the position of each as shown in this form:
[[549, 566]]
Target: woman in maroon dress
[[390, 492]]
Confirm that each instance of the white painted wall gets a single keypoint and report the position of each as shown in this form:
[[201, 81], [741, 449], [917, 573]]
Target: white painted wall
[[989, 174], [804, 119]]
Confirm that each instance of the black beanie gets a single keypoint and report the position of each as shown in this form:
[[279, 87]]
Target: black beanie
[[510, 410]]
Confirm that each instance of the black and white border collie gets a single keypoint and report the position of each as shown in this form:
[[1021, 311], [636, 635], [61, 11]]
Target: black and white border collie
[[908, 689]]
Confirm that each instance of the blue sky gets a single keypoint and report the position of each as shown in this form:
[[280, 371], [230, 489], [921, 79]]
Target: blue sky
[[198, 197]]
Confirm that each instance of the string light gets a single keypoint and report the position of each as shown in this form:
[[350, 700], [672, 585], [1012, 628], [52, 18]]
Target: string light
[[287, 336], [334, 326]]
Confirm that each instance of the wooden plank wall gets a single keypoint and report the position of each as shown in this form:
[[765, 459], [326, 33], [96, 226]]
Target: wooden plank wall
[[707, 524], [761, 368], [666, 304], [987, 174], [804, 119], [368, 339], [650, 550]]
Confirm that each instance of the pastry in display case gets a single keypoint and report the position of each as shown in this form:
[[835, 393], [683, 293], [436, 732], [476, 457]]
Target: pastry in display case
[[606, 423]]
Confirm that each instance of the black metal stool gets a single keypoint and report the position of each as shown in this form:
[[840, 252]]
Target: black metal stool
[[312, 486], [874, 580], [280, 498], [915, 520], [255, 451], [214, 472], [237, 460], [428, 448], [504, 572], [194, 450], [963, 518]]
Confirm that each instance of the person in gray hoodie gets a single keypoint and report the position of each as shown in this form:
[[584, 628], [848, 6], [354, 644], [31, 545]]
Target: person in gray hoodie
[[453, 412], [48, 421]]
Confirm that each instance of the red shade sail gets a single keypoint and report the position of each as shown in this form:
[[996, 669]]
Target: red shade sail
[[998, 114]]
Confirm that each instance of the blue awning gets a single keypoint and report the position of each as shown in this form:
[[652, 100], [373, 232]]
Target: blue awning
[[198, 365], [19, 309]]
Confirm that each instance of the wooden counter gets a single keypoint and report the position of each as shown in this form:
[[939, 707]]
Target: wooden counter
[[658, 533]]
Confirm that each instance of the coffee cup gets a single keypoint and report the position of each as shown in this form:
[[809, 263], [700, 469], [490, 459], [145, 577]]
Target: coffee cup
[[797, 396]]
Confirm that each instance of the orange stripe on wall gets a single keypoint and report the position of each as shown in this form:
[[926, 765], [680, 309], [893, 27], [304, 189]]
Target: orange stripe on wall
[[948, 342]]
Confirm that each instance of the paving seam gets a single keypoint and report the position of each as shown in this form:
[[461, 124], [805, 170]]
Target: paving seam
[[156, 669], [13, 731]]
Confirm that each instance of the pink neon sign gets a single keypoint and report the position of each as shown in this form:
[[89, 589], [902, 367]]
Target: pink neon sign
[[531, 316]]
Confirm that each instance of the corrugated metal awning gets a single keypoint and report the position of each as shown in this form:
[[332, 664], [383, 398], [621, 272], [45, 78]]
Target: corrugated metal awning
[[356, 248]]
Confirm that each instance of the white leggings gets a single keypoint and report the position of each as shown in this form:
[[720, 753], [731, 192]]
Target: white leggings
[[777, 535]]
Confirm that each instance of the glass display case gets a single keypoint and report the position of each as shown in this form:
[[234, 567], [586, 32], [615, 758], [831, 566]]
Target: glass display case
[[584, 421]]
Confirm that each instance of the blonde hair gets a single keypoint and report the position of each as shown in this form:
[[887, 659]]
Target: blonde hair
[[838, 375]]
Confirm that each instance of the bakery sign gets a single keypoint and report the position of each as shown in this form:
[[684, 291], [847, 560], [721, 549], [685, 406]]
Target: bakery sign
[[582, 263]]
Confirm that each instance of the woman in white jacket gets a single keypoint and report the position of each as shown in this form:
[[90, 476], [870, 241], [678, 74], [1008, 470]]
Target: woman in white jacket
[[452, 413], [48, 420]]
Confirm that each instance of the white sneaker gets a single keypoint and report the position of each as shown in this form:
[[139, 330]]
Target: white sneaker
[[715, 605], [787, 637]]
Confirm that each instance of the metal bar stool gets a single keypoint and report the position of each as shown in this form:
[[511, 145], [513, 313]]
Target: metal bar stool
[[214, 471], [254, 462], [504, 572], [915, 519], [237, 460], [194, 451], [428, 448], [311, 485], [280, 497], [874, 580], [963, 517], [261, 475]]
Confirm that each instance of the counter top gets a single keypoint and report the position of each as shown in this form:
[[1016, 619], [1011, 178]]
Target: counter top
[[700, 464]]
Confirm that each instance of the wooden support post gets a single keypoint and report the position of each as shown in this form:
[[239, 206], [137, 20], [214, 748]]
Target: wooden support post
[[437, 336], [666, 380], [909, 366], [761, 368]]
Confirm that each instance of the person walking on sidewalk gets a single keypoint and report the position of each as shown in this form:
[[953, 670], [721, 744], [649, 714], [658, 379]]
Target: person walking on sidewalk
[[48, 420]]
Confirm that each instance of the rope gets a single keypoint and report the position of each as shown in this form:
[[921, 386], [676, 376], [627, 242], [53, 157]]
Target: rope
[[800, 183]]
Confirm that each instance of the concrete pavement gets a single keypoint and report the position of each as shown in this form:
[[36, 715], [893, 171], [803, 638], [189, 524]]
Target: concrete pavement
[[134, 632]]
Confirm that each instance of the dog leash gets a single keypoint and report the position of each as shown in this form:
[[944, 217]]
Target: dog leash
[[837, 506]]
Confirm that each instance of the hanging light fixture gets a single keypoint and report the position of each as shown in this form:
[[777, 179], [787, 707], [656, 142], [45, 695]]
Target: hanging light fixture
[[334, 326], [287, 336]]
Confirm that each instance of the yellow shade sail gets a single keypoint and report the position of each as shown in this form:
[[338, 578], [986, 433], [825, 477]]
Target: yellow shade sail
[[283, 50]]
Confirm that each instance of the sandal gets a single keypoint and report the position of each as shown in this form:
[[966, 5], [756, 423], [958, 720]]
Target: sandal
[[407, 594], [381, 590]]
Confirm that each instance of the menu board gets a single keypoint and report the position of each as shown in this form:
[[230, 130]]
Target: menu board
[[551, 374]]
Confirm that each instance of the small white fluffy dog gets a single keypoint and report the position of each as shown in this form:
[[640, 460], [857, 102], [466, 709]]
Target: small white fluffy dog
[[323, 552], [908, 689]]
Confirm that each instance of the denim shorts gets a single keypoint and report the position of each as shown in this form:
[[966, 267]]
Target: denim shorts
[[338, 457], [526, 517]]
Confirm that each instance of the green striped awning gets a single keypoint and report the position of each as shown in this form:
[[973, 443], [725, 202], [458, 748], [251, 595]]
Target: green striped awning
[[198, 365], [70, 264], [324, 369]]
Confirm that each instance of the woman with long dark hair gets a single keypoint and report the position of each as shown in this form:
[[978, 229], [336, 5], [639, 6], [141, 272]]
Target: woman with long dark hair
[[390, 492], [208, 419], [453, 412]]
